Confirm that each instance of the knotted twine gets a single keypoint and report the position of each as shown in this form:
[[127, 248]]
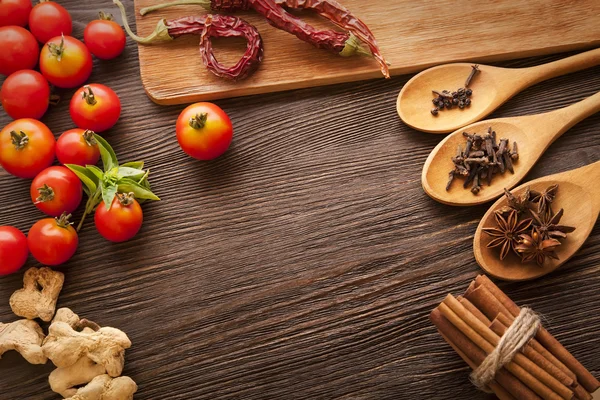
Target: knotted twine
[[523, 328]]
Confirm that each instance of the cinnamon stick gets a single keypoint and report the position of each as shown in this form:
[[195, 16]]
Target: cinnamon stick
[[544, 385], [498, 390], [457, 339], [485, 301], [585, 378], [499, 328], [473, 310]]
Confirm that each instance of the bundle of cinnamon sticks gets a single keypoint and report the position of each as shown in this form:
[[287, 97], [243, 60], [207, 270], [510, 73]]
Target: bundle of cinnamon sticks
[[473, 325]]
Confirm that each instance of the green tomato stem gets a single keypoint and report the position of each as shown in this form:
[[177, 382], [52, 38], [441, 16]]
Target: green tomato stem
[[89, 206]]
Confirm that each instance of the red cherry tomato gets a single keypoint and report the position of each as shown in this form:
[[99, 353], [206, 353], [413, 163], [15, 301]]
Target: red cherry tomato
[[18, 49], [14, 12], [49, 19], [104, 38], [122, 222], [77, 146], [96, 107], [204, 131], [65, 62], [26, 148], [25, 94], [13, 250], [56, 190], [52, 241]]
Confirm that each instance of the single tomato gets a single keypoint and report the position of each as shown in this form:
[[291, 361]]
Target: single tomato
[[56, 190], [204, 131], [96, 107], [122, 221], [53, 241], [77, 146], [13, 250], [104, 37], [14, 12], [49, 19], [26, 148], [65, 62], [25, 94], [19, 51]]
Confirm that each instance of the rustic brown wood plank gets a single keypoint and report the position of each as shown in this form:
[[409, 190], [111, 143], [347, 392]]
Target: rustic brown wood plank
[[303, 263]]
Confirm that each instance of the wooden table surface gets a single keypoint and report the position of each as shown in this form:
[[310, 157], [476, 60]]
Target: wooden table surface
[[304, 262]]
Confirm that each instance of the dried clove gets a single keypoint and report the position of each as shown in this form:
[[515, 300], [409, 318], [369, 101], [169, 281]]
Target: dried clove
[[481, 159], [459, 98]]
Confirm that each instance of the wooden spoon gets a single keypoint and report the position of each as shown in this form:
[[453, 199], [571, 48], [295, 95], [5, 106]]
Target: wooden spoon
[[492, 87], [533, 134], [578, 194]]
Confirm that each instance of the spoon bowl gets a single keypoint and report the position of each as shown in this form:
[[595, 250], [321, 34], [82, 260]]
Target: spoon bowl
[[414, 102], [533, 135], [492, 87], [578, 194]]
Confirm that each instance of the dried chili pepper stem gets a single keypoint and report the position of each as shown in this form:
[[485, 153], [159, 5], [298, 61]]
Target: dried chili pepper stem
[[203, 3]]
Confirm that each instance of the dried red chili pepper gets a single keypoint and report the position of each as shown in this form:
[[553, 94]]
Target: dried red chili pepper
[[208, 26], [343, 43]]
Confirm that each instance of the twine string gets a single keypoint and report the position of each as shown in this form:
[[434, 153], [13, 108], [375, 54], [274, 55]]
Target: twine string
[[523, 328]]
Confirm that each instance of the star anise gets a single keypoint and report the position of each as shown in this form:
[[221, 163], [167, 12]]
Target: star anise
[[535, 247], [546, 224], [521, 203], [545, 198], [507, 234]]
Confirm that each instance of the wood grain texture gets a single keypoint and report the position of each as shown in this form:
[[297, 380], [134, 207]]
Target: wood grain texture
[[412, 35], [303, 263]]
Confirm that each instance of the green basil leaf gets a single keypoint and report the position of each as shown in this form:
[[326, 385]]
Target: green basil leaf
[[133, 173], [89, 180], [134, 164], [108, 194], [95, 170], [109, 158], [127, 185]]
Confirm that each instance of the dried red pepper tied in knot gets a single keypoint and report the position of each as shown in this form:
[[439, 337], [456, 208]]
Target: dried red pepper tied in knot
[[343, 43], [208, 26]]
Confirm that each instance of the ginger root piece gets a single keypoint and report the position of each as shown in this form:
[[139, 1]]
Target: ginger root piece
[[24, 336], [64, 380], [64, 345], [104, 387], [81, 325], [38, 297]]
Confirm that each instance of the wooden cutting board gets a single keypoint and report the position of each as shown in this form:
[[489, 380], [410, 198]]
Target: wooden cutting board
[[412, 35]]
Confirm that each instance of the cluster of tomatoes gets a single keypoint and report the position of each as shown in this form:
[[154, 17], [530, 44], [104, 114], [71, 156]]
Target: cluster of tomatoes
[[27, 146]]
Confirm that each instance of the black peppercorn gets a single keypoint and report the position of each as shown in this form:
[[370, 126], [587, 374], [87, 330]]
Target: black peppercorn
[[461, 105], [434, 111], [435, 101], [440, 105], [467, 102], [455, 101], [449, 106], [469, 92]]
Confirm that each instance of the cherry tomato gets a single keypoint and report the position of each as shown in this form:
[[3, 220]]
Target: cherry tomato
[[65, 62], [104, 37], [77, 146], [56, 190], [26, 148], [52, 241], [49, 19], [96, 107], [122, 222], [13, 250], [25, 94], [19, 49], [204, 131], [14, 12]]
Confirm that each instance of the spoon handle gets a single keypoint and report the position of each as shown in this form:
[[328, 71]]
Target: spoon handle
[[563, 119], [537, 74], [589, 178]]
